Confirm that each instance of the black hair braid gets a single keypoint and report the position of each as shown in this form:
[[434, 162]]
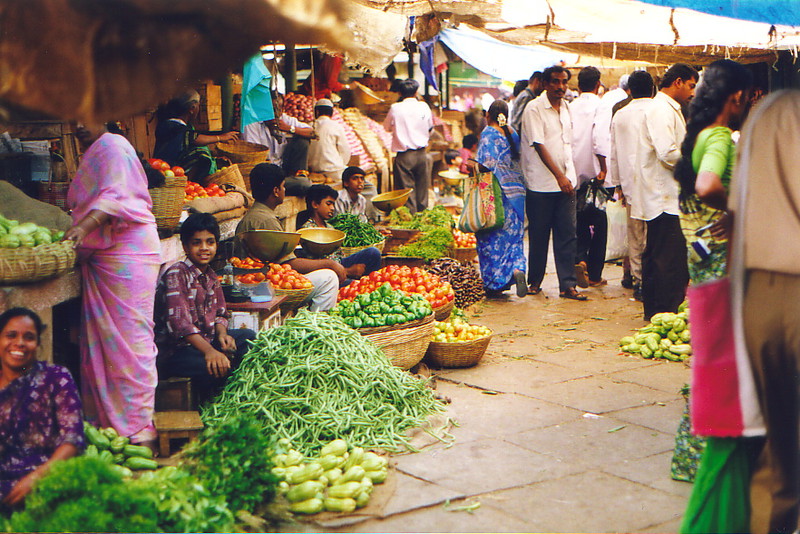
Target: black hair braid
[[511, 144]]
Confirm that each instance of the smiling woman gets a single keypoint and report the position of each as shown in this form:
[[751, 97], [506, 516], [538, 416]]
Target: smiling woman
[[40, 410]]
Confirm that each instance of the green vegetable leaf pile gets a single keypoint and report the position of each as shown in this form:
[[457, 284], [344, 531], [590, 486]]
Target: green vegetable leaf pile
[[435, 217], [233, 458], [432, 244], [87, 494]]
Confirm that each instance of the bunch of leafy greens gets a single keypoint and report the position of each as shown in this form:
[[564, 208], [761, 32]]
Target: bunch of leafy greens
[[233, 459], [86, 495], [90, 495], [184, 504], [431, 245], [435, 217]]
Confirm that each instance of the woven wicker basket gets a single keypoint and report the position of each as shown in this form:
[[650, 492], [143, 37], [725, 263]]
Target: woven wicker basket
[[243, 152], [347, 251], [404, 345], [294, 298], [168, 202], [464, 254], [442, 313], [227, 175], [460, 354], [244, 170], [37, 263]]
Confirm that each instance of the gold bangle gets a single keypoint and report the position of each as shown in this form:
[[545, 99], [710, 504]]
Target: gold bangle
[[95, 219]]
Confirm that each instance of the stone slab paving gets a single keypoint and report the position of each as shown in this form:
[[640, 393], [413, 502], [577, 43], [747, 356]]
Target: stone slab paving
[[483, 466], [598, 394], [525, 377], [663, 376], [593, 442], [661, 416], [481, 415], [589, 502], [649, 471]]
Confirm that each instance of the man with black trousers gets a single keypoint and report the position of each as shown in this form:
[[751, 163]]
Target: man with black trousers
[[590, 166], [664, 270], [550, 180]]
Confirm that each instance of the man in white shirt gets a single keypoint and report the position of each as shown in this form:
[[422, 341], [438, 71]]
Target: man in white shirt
[[625, 130], [664, 271], [329, 153], [287, 139], [590, 166], [410, 122], [550, 180]]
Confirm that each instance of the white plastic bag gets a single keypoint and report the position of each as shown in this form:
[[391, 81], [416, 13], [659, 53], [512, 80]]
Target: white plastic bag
[[617, 244]]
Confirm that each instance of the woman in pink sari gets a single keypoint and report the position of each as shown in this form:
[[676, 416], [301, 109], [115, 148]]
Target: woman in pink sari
[[119, 252]]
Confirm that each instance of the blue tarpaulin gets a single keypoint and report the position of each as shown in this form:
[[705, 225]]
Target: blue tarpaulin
[[496, 58], [785, 12]]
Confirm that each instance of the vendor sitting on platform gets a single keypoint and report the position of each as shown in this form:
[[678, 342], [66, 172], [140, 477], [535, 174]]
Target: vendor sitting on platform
[[40, 409], [267, 184], [351, 200], [191, 316], [178, 143], [322, 202]]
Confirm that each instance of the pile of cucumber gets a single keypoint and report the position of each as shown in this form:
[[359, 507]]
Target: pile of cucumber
[[108, 445], [667, 337], [339, 480]]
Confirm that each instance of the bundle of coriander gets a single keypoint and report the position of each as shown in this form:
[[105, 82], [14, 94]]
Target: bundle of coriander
[[314, 379]]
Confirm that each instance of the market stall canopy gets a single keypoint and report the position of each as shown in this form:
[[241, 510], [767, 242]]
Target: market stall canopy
[[105, 59], [497, 58], [785, 12], [618, 29]]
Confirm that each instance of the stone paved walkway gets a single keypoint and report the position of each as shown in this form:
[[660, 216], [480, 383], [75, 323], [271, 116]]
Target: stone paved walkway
[[558, 432]]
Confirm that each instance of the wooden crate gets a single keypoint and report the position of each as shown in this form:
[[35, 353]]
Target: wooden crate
[[210, 116]]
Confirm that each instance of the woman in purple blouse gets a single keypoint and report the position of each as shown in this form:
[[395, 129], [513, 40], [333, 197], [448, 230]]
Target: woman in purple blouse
[[40, 410]]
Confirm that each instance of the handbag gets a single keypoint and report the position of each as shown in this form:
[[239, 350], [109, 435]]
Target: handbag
[[719, 366], [483, 205]]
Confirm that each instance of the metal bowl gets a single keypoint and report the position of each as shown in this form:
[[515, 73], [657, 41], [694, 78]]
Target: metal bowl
[[452, 177], [270, 245], [386, 202], [320, 242]]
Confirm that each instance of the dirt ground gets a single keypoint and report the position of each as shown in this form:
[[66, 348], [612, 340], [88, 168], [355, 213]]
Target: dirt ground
[[557, 431]]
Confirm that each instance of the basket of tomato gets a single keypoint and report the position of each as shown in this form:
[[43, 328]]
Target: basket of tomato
[[400, 323], [464, 246], [412, 280], [168, 199], [289, 283]]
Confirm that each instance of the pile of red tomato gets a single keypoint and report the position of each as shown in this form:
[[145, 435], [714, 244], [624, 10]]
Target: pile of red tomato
[[404, 278], [463, 239], [247, 263], [165, 168], [284, 277], [194, 191]]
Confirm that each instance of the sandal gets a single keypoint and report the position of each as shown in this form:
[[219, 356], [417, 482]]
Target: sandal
[[581, 275], [572, 294], [534, 290], [519, 280]]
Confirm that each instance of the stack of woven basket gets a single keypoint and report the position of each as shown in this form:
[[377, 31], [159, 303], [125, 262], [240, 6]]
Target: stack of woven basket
[[246, 155]]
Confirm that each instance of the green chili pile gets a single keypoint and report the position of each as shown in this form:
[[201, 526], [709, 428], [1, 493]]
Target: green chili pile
[[357, 232], [315, 379]]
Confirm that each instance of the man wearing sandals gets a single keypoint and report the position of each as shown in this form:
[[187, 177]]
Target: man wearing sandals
[[550, 179]]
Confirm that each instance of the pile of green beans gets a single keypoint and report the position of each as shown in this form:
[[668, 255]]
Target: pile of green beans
[[357, 232], [314, 379]]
